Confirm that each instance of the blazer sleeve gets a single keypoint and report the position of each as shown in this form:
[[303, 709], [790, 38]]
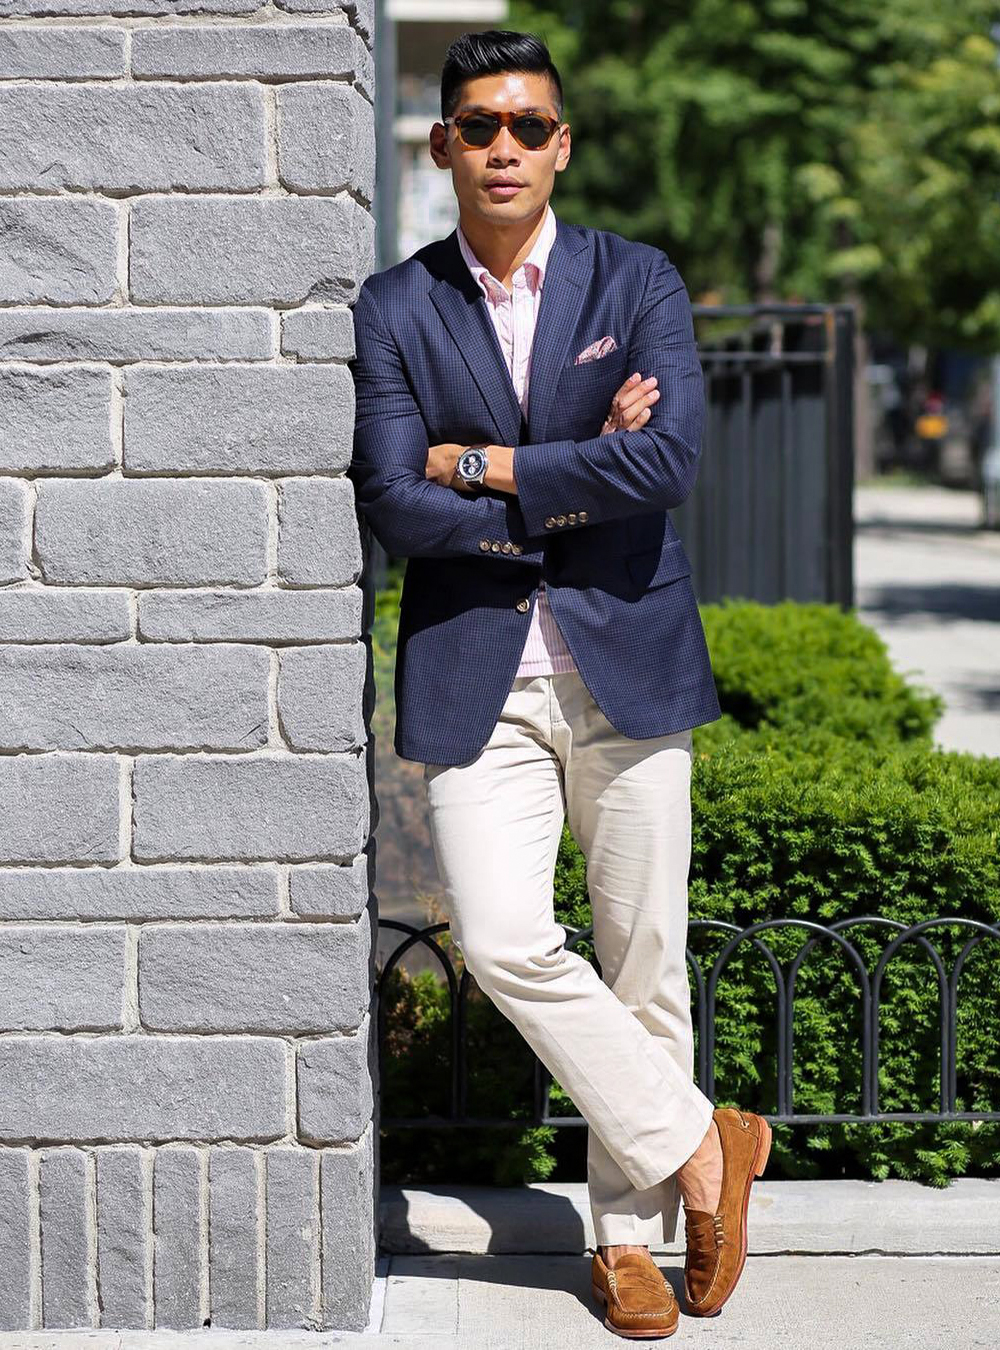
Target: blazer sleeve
[[411, 516], [626, 473]]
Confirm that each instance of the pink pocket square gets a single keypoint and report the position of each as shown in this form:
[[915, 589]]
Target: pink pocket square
[[596, 350]]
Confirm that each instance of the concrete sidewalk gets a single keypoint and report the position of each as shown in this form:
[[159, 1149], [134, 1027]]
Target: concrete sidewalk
[[927, 579], [834, 1265]]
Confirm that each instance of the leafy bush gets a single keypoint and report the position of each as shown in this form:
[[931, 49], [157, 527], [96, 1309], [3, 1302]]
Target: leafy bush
[[798, 666]]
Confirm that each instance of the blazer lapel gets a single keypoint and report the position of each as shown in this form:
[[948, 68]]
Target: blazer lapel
[[564, 288], [462, 307]]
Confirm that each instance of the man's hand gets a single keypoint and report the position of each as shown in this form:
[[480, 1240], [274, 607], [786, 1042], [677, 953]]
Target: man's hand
[[630, 407], [441, 461]]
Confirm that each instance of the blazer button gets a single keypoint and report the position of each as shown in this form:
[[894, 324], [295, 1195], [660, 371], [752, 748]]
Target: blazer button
[[523, 606], [516, 548], [549, 522], [560, 520], [484, 544], [582, 517], [495, 546], [572, 517], [506, 546]]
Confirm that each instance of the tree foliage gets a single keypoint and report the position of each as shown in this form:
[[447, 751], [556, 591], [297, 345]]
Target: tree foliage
[[794, 149]]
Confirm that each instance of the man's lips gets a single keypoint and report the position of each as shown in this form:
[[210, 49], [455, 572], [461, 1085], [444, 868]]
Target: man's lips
[[504, 189]]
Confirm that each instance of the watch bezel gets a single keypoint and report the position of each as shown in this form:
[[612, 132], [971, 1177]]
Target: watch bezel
[[485, 464]]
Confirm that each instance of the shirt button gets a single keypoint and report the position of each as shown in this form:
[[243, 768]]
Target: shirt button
[[560, 520], [582, 517], [523, 605], [484, 544]]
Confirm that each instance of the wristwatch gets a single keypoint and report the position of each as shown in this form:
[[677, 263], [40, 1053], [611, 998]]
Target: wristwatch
[[472, 465]]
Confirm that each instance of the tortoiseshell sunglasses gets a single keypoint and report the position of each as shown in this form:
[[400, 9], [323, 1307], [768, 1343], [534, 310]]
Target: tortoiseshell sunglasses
[[477, 130]]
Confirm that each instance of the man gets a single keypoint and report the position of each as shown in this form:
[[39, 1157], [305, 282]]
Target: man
[[529, 408]]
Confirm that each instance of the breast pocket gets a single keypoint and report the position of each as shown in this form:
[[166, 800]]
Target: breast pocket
[[588, 388]]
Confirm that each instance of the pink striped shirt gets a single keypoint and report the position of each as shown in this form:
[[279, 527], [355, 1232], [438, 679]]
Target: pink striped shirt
[[514, 314]]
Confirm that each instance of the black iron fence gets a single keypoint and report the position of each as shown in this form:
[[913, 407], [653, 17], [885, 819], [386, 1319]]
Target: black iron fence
[[770, 517], [869, 981]]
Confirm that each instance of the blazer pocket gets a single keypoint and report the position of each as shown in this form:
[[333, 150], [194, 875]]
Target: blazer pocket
[[655, 567]]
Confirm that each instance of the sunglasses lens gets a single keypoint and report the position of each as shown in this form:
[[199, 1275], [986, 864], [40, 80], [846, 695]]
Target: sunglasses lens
[[478, 130], [532, 132]]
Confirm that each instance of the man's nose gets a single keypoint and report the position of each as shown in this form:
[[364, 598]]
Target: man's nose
[[505, 147]]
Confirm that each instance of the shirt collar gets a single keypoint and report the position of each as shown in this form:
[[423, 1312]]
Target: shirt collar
[[538, 256]]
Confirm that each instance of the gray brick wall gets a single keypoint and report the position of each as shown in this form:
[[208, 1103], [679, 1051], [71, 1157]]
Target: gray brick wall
[[188, 1114]]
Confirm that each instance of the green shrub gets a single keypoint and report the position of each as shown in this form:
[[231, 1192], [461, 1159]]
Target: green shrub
[[798, 666]]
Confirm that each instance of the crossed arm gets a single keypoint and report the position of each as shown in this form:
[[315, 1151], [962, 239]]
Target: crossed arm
[[645, 458]]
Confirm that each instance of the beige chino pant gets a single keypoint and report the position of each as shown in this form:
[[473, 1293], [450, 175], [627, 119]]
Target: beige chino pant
[[622, 1047]]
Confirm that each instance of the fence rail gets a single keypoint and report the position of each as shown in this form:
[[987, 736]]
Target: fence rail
[[869, 983]]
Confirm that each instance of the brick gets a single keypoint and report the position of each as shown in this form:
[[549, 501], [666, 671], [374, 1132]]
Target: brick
[[264, 51], [264, 615], [75, 797], [360, 13], [53, 420], [49, 53], [177, 1209], [13, 530], [126, 532], [57, 252], [68, 1291], [239, 419], [334, 1087], [133, 696], [139, 892], [318, 333], [263, 806], [122, 1228], [123, 335], [293, 1231], [246, 250], [320, 696], [348, 1209], [234, 1254], [129, 1088], [45, 614], [15, 1240], [319, 543], [75, 8], [326, 139], [61, 979], [283, 977], [132, 138], [324, 890]]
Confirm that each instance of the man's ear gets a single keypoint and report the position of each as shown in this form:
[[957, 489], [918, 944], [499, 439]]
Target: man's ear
[[438, 146]]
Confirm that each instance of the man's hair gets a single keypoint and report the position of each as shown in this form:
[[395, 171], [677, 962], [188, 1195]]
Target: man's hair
[[495, 52]]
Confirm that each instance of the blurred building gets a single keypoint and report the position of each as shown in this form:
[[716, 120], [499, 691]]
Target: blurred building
[[414, 200]]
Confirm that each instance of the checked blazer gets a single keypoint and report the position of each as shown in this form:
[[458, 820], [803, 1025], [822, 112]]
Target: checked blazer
[[591, 514]]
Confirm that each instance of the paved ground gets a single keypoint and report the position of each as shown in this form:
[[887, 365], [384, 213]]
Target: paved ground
[[927, 579], [834, 1265], [544, 1303]]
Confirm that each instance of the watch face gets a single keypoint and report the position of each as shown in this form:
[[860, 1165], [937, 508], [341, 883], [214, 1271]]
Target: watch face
[[472, 463]]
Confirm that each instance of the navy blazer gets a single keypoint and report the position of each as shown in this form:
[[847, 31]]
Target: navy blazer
[[591, 512]]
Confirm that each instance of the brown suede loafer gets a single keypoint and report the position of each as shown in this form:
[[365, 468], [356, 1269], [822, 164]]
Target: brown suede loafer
[[640, 1303], [717, 1243]]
